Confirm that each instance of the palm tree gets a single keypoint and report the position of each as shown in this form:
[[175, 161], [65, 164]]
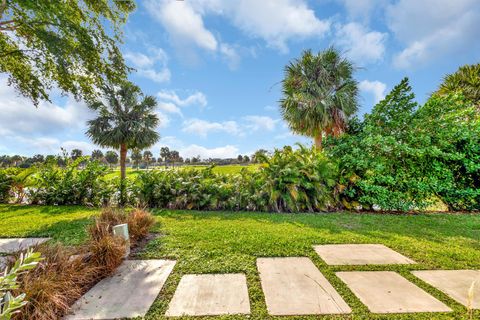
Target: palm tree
[[136, 157], [147, 157], [97, 154], [319, 94], [127, 120], [466, 79]]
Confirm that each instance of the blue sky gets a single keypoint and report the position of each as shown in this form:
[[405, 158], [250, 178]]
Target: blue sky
[[215, 67]]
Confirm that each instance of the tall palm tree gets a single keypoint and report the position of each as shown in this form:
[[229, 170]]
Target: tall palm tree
[[319, 94], [126, 120], [466, 79]]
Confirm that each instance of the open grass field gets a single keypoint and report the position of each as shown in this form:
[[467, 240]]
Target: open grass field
[[221, 242], [226, 169]]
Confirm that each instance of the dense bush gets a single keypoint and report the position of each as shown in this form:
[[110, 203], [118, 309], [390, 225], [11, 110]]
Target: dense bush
[[288, 181], [405, 157], [5, 186], [55, 185]]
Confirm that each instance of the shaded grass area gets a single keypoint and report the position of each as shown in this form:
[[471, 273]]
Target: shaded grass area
[[226, 242], [213, 242], [62, 223]]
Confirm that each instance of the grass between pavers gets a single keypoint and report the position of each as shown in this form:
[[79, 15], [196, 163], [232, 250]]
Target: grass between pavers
[[222, 242], [226, 242]]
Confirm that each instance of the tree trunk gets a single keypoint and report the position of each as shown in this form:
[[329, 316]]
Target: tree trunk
[[318, 141], [123, 157]]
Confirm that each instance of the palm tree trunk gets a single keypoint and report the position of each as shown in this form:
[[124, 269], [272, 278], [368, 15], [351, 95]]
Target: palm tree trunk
[[318, 141], [123, 157]]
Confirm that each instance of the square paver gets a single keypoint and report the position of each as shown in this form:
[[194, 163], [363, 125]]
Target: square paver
[[294, 286], [210, 295], [456, 284], [12, 245], [389, 292], [360, 254], [128, 293]]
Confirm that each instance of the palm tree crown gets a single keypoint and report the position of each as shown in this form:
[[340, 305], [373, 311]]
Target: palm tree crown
[[319, 94], [126, 120]]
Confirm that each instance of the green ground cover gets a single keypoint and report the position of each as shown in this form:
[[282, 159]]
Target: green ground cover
[[221, 242]]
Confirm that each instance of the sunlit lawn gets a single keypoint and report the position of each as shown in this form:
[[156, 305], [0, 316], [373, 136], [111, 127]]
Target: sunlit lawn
[[221, 242]]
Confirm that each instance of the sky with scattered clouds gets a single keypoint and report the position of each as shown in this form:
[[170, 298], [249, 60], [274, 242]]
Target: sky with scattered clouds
[[215, 67]]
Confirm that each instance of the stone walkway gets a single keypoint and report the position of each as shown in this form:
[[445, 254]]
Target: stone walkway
[[13, 245], [291, 285]]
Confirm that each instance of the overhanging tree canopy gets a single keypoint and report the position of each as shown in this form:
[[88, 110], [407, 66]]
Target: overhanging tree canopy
[[70, 45]]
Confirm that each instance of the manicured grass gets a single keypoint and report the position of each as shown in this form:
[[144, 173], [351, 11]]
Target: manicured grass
[[65, 224], [204, 242], [226, 169], [226, 242]]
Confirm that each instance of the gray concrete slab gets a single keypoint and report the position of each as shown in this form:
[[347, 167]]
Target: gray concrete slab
[[359, 254], [12, 245], [294, 286], [210, 295], [128, 293], [461, 285], [389, 292]]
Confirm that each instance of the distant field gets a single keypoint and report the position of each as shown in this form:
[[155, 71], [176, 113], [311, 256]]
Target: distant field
[[227, 169]]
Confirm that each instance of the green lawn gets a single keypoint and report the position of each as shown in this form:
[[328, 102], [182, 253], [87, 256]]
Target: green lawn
[[226, 169], [220, 242]]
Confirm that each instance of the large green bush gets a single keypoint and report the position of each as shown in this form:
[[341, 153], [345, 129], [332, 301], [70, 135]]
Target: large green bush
[[5, 186], [405, 157]]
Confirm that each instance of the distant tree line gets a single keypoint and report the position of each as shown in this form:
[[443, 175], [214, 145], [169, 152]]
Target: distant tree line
[[138, 159]]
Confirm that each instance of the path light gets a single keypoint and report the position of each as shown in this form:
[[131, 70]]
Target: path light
[[121, 230]]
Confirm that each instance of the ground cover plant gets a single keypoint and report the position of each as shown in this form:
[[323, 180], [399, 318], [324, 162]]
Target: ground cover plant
[[66, 272], [224, 242]]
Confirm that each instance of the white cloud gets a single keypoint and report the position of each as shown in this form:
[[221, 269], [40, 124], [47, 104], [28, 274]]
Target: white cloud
[[203, 127], [231, 55], [275, 21], [152, 66], [360, 44], [169, 108], [376, 88], [184, 25], [255, 123], [431, 29], [361, 9], [197, 98], [19, 116]]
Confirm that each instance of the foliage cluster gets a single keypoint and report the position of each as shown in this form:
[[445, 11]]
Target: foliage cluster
[[66, 273], [404, 156]]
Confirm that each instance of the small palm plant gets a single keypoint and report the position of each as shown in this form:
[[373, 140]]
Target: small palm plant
[[319, 94], [126, 120]]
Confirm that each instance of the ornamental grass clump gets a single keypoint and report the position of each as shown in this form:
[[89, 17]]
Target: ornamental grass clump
[[139, 224]]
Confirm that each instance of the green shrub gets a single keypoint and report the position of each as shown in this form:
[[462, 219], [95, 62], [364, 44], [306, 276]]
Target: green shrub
[[5, 186], [70, 185], [404, 156], [288, 181]]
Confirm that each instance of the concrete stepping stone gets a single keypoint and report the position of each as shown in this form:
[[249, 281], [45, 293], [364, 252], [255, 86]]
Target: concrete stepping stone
[[359, 254], [389, 292], [210, 295], [455, 283], [128, 293], [12, 245], [294, 286]]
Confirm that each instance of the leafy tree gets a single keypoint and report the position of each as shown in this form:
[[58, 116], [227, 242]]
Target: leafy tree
[[16, 160], [196, 159], [76, 153], [259, 154], [319, 94], [174, 157], [111, 157], [97, 154], [246, 158], [38, 158], [165, 154], [71, 45], [126, 121], [240, 158], [465, 80], [136, 157], [147, 157]]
